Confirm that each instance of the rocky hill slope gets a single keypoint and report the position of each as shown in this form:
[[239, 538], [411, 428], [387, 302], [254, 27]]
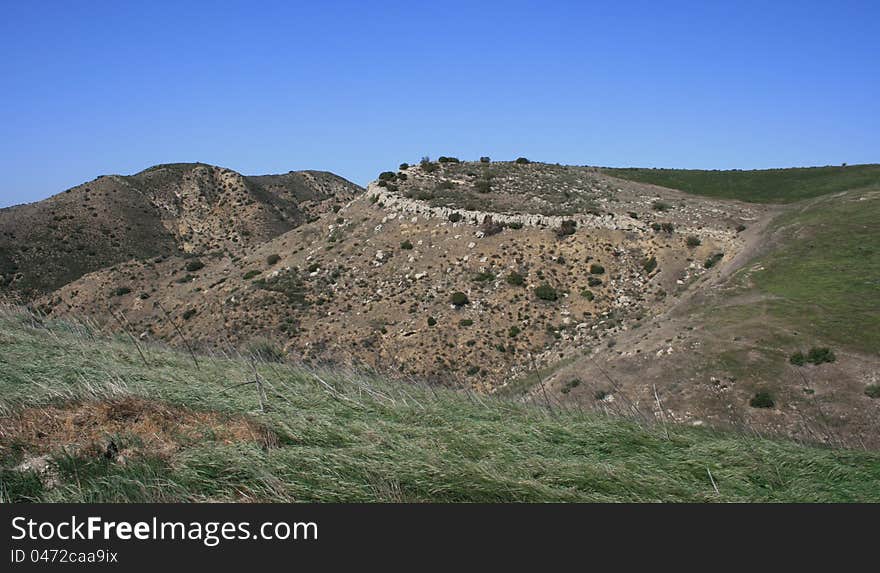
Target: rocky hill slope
[[177, 209]]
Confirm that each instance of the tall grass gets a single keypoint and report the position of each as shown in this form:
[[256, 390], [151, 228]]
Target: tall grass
[[343, 435]]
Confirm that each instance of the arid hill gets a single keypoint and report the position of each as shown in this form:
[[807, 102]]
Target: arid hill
[[177, 209]]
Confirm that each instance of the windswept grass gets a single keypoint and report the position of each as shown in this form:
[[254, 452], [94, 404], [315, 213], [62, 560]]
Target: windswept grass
[[758, 186], [342, 436]]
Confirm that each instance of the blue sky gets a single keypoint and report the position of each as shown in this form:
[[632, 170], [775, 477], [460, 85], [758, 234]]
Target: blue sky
[[89, 88]]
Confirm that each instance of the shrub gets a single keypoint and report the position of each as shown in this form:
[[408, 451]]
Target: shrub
[[484, 277], [570, 385], [387, 176], [566, 228], [514, 225], [546, 292], [693, 241], [189, 313], [272, 259], [250, 274], [649, 264], [404, 166], [762, 399], [872, 391], [515, 279], [454, 217], [588, 294], [406, 245], [798, 358], [522, 160], [713, 260], [600, 395], [432, 321], [484, 159], [119, 291], [490, 227], [818, 355], [661, 206], [513, 331], [597, 269], [459, 299], [594, 281], [443, 159], [482, 185], [427, 165], [465, 322], [194, 265], [740, 228]]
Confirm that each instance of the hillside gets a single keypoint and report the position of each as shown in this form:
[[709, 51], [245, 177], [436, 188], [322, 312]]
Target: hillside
[[181, 432], [760, 185], [813, 282], [176, 209], [375, 282]]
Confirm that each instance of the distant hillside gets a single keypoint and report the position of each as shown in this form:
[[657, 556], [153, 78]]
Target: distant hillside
[[187, 433], [759, 186], [161, 211]]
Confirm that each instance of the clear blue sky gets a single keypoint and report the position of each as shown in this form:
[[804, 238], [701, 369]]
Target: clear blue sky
[[89, 88]]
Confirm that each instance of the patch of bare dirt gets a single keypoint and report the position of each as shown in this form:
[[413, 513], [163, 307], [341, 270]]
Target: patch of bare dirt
[[131, 425]]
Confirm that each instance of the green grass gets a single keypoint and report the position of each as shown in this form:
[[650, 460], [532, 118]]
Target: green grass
[[825, 277], [356, 438], [759, 186]]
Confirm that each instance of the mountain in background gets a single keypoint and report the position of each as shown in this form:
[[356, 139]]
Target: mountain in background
[[175, 209]]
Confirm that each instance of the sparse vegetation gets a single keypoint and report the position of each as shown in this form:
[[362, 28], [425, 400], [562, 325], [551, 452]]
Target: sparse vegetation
[[515, 279], [406, 245], [272, 260], [693, 241], [872, 391], [597, 269], [194, 265], [649, 264]]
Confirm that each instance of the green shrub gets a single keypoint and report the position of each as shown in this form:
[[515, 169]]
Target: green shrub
[[597, 269], [454, 217], [515, 279], [762, 399], [387, 176], [566, 228], [522, 160], [465, 322], [594, 281], [444, 159], [546, 292], [872, 391], [693, 241], [404, 166], [432, 321], [428, 166], [740, 228], [513, 331], [189, 313], [119, 291], [588, 294], [194, 265], [406, 245], [250, 274], [459, 299], [713, 260], [798, 358], [272, 259], [482, 185], [661, 206], [514, 225], [483, 277], [570, 385], [484, 159], [649, 264], [818, 355]]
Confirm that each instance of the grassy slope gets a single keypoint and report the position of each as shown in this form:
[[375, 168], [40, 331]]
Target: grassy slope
[[825, 277], [374, 441], [760, 186]]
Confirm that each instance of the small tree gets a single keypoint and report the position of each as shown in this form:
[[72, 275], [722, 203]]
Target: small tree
[[459, 299]]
